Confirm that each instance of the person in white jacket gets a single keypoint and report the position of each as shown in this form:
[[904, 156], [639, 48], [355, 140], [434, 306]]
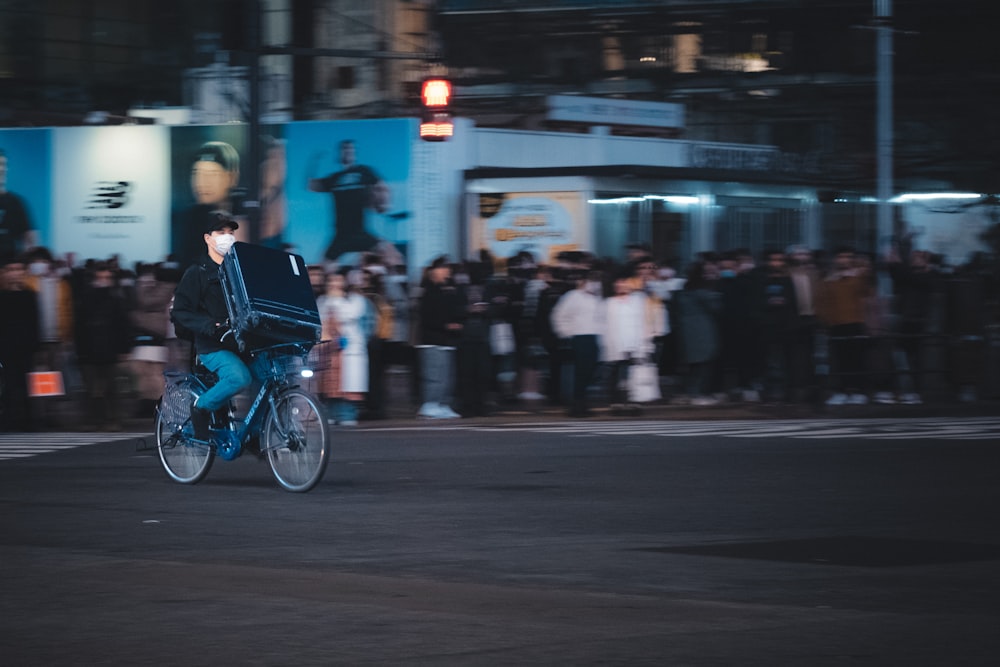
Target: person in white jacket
[[341, 310], [578, 317], [632, 321]]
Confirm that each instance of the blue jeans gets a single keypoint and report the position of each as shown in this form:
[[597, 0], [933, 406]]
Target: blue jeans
[[234, 377], [437, 371], [341, 410]]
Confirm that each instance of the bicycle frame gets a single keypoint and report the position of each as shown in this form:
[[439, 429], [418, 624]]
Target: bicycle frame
[[288, 420], [229, 443]]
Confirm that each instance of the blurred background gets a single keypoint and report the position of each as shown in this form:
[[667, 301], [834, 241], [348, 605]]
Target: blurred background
[[857, 100]]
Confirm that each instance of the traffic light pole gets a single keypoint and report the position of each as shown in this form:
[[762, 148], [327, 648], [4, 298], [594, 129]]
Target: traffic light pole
[[253, 140], [883, 129], [257, 51]]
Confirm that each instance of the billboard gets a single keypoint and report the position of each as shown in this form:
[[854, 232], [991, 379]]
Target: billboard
[[328, 190], [207, 173], [541, 223], [109, 192], [24, 186], [348, 188]]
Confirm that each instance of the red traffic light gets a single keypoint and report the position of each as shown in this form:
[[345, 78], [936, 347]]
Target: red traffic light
[[435, 93], [437, 129]]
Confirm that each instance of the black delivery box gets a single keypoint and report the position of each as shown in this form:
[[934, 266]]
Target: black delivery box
[[268, 296]]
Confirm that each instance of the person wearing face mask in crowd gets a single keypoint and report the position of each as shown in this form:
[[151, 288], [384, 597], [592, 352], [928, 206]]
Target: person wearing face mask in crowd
[[397, 293], [699, 307], [102, 341], [806, 280], [344, 379], [633, 320], [579, 317], [737, 369], [200, 307], [55, 303], [440, 322], [18, 344], [840, 306], [663, 286], [779, 317], [55, 318], [151, 296], [381, 316]]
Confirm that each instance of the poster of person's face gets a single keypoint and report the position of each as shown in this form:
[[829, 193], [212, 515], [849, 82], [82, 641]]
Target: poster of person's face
[[357, 169], [26, 173], [109, 192], [206, 174]]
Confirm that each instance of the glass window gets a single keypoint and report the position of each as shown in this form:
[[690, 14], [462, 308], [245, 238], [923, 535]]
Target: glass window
[[622, 219]]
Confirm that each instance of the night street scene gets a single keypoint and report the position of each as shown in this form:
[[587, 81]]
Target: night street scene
[[482, 332]]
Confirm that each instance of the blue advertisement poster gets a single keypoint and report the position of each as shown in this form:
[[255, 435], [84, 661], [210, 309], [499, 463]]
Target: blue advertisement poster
[[328, 190], [25, 183], [347, 189]]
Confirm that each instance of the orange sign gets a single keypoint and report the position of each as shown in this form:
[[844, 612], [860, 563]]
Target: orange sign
[[45, 383]]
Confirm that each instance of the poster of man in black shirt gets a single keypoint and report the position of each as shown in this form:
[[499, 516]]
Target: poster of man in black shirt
[[16, 231], [354, 189]]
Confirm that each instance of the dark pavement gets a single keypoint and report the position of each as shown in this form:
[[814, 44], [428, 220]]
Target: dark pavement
[[515, 541]]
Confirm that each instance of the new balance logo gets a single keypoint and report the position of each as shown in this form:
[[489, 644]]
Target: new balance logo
[[109, 194]]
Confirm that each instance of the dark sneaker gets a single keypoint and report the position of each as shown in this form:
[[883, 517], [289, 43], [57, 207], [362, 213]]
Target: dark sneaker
[[220, 418], [201, 420]]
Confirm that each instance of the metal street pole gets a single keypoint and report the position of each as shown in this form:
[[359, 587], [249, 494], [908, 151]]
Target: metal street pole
[[253, 140], [883, 131]]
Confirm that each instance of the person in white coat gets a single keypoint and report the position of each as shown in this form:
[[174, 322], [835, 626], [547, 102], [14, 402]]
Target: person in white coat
[[578, 318], [342, 309], [632, 321]]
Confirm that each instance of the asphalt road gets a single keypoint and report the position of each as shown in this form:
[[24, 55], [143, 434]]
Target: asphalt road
[[591, 543]]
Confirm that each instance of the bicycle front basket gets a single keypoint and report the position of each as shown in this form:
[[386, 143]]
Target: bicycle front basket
[[285, 365]]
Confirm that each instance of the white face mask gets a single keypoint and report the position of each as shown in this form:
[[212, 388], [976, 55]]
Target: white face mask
[[593, 287], [38, 268], [223, 242]]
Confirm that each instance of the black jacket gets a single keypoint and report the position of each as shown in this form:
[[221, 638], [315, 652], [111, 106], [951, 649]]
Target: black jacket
[[103, 330], [19, 335], [440, 306], [200, 305]]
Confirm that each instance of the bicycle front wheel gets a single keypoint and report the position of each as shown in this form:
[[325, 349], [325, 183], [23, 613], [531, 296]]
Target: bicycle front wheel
[[183, 459], [297, 440]]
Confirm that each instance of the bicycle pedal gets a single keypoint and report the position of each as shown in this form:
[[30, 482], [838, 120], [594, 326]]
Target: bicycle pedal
[[229, 450]]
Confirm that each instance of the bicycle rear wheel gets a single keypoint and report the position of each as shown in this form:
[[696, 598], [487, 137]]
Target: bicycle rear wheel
[[183, 459], [296, 440]]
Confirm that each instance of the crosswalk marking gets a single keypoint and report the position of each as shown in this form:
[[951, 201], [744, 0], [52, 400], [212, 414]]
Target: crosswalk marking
[[973, 428], [26, 445], [16, 446]]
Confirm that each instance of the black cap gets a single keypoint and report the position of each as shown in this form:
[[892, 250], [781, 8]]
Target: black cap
[[219, 219]]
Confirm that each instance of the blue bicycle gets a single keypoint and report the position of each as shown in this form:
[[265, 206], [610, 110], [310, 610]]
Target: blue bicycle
[[288, 422]]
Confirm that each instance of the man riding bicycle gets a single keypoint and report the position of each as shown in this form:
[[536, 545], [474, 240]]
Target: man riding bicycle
[[200, 307]]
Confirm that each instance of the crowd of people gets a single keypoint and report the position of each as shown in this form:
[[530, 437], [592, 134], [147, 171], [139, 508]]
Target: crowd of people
[[792, 325], [101, 327]]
